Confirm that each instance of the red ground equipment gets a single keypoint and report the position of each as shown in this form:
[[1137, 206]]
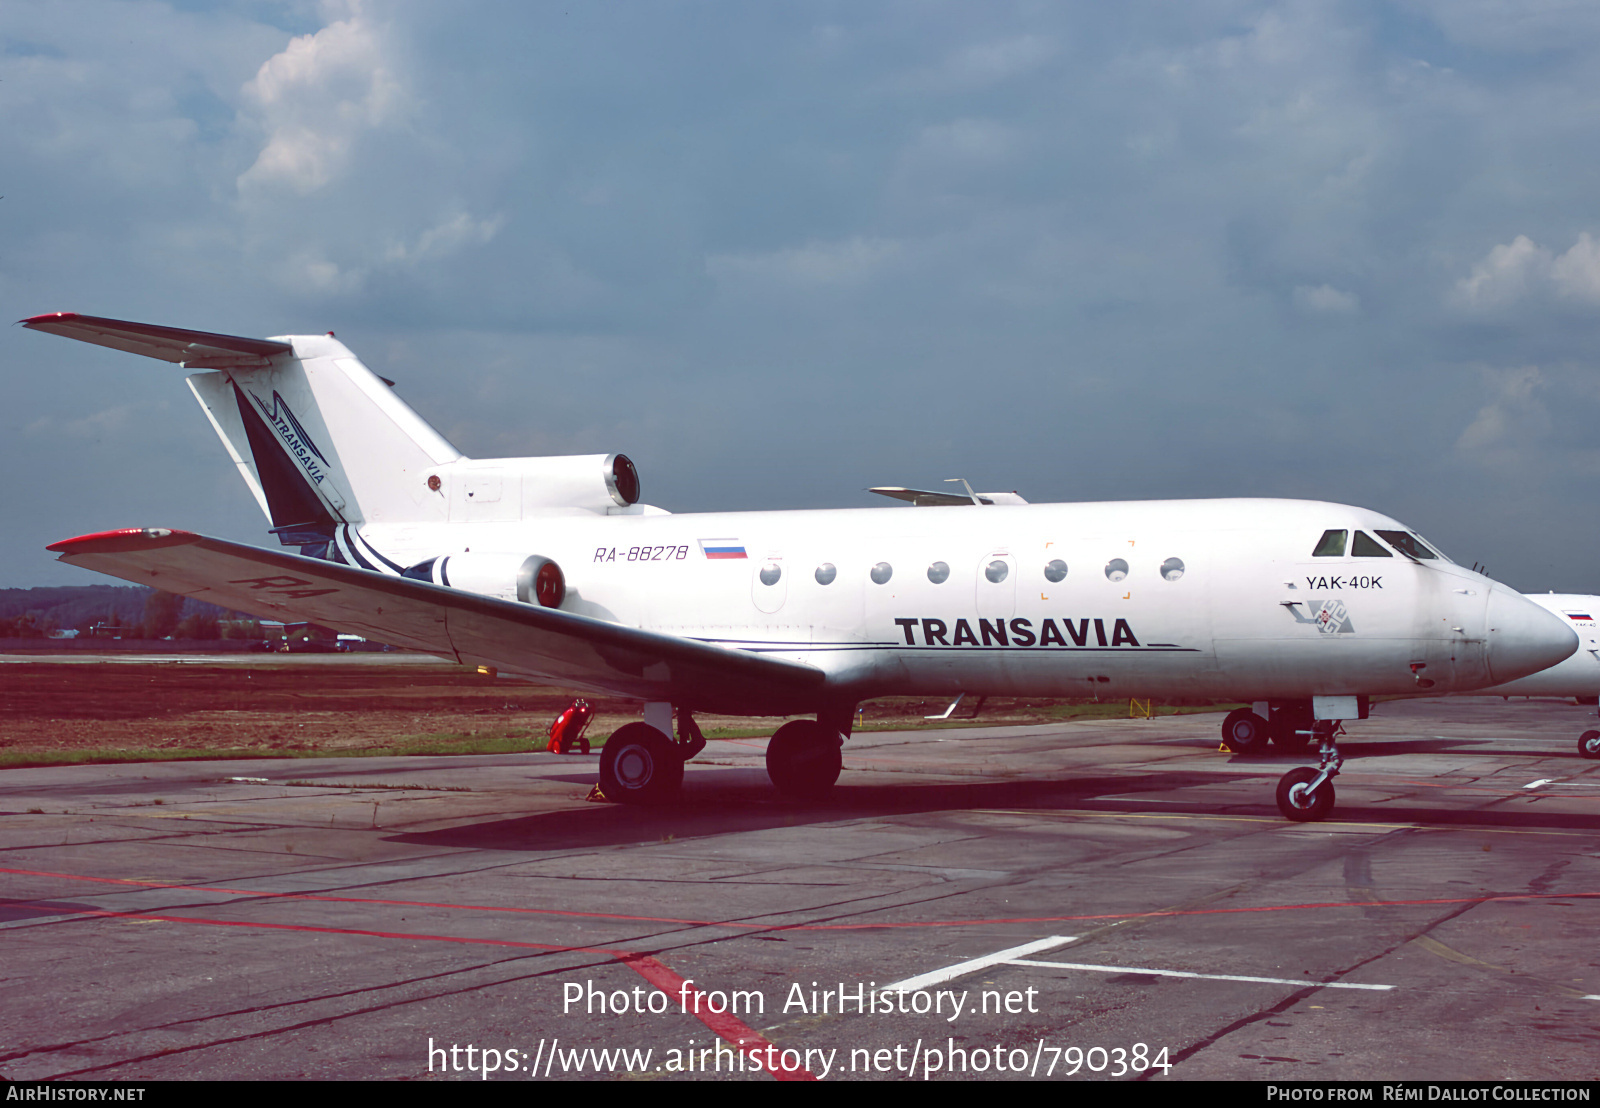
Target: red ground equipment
[[566, 731]]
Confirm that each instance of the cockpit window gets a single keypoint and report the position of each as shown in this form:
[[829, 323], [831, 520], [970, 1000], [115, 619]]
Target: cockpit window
[[1331, 545], [1365, 546], [1408, 544]]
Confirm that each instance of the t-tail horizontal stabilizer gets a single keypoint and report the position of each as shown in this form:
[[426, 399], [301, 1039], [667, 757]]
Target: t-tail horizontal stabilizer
[[191, 349]]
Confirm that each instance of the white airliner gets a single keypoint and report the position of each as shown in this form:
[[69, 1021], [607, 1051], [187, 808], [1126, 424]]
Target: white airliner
[[551, 569], [1577, 676]]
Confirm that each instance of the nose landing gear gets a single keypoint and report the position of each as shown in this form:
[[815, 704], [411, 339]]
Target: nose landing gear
[[1306, 795]]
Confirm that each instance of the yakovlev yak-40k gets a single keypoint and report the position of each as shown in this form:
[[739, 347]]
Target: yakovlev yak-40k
[[551, 569]]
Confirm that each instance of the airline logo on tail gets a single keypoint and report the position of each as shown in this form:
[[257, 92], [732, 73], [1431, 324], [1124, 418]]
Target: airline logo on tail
[[282, 419]]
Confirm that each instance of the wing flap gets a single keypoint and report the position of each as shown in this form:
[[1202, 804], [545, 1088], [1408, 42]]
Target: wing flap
[[543, 644], [195, 349]]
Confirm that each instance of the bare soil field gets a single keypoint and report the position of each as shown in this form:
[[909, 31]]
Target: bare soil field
[[273, 707]]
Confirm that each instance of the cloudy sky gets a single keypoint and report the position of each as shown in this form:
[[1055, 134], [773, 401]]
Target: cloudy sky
[[779, 253]]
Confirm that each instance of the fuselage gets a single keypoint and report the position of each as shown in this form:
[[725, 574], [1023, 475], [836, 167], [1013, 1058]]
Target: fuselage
[[1223, 599]]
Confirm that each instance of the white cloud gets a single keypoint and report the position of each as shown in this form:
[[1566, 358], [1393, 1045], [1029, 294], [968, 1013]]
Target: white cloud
[[966, 140], [980, 65], [989, 62], [1519, 25], [107, 423], [1523, 270], [1577, 272], [314, 100], [849, 262], [1508, 273], [453, 234], [1514, 421], [1326, 300], [310, 271]]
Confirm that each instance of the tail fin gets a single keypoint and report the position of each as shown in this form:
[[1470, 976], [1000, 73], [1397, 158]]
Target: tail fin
[[319, 438], [322, 441]]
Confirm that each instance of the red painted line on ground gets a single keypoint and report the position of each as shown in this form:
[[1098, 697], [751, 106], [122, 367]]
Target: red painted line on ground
[[1484, 899], [691, 1001], [733, 1031]]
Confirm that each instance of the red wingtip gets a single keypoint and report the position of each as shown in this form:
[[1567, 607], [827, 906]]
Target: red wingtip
[[48, 317], [126, 539]]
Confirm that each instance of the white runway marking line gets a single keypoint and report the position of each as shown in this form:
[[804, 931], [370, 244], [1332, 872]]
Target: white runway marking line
[[1017, 956], [1202, 976], [961, 969]]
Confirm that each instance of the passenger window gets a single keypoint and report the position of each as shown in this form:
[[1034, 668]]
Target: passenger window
[[1172, 569], [1116, 569], [881, 573], [1407, 543], [1055, 571], [1366, 546], [1331, 545], [826, 573], [939, 572]]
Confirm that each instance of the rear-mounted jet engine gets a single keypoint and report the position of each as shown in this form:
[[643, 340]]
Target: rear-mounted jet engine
[[530, 578]]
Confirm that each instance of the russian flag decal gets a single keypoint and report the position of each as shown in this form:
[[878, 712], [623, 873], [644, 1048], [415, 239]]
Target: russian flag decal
[[722, 548]]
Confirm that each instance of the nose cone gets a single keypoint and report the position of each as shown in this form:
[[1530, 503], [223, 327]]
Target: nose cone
[[1523, 637]]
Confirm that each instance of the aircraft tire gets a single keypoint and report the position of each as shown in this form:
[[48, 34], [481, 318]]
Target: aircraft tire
[[1290, 739], [640, 765], [1589, 744], [1295, 804], [1244, 732], [803, 759]]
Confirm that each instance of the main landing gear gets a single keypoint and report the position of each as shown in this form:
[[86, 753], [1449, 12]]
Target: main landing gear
[[640, 764], [1589, 744], [803, 759], [1288, 727]]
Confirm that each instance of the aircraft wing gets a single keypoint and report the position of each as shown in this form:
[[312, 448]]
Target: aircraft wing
[[543, 644], [192, 349]]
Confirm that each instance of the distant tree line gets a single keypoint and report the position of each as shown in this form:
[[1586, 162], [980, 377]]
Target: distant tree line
[[137, 613]]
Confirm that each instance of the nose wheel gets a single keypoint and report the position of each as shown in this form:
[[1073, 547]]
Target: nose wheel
[[1589, 744], [1306, 795], [1299, 801]]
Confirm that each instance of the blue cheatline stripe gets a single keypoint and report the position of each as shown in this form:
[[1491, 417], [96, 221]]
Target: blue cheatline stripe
[[358, 537], [343, 544]]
